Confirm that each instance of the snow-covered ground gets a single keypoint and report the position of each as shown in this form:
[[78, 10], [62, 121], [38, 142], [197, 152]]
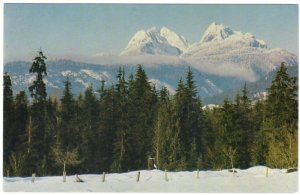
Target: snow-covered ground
[[250, 180]]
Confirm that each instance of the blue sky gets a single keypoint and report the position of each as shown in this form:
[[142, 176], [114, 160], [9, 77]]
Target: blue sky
[[87, 29]]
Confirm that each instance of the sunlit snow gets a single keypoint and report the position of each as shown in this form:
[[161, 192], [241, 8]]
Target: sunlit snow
[[250, 180]]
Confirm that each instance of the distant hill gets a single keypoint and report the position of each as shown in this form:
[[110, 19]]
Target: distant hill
[[256, 89]]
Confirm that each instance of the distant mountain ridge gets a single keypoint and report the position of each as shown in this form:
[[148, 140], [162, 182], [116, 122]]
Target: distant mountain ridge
[[256, 90], [219, 32], [222, 60], [219, 48], [81, 75]]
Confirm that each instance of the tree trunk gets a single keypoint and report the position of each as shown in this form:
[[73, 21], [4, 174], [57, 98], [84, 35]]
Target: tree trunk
[[64, 176]]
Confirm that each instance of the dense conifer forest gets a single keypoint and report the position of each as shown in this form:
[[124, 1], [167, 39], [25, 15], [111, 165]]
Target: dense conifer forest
[[118, 128]]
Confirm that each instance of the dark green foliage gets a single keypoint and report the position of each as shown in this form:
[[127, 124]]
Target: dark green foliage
[[166, 143], [283, 89], [259, 144], [38, 88], [121, 158], [21, 115], [109, 117], [67, 119], [179, 126], [90, 131], [281, 124], [40, 134], [142, 109], [244, 128], [8, 122], [18, 151], [121, 126]]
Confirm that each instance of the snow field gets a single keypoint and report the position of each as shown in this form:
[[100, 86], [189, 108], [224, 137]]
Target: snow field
[[250, 180]]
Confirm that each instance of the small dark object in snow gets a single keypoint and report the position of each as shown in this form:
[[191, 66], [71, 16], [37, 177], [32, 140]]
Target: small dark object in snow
[[78, 179], [230, 170], [290, 170]]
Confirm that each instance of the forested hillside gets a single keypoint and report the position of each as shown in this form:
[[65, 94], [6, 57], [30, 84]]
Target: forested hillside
[[119, 127]]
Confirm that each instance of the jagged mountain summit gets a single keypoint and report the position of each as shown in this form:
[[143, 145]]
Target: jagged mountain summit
[[156, 41], [216, 32], [219, 39], [234, 53], [164, 41], [220, 51], [219, 32]]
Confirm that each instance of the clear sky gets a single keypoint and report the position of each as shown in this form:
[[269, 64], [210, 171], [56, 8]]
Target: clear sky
[[87, 29]]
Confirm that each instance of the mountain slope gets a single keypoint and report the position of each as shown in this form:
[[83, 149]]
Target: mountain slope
[[81, 75], [155, 41], [174, 39], [220, 47], [257, 90], [221, 51], [219, 32]]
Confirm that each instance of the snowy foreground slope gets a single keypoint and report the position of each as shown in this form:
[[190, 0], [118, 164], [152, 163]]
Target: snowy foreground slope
[[250, 180]]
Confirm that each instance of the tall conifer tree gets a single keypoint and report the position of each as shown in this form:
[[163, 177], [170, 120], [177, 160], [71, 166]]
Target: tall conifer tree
[[8, 121], [37, 147]]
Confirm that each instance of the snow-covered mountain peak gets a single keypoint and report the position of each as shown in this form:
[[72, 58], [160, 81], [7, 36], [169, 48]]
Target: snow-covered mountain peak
[[139, 36], [216, 32], [219, 32], [174, 39], [155, 41]]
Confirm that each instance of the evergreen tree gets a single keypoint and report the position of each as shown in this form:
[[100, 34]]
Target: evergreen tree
[[164, 132], [181, 114], [214, 138], [142, 109], [38, 148], [79, 135], [38, 88], [230, 137], [282, 101], [21, 115], [121, 145], [281, 123], [19, 153], [191, 120], [8, 121], [109, 118], [177, 161], [67, 135], [244, 129], [259, 149], [90, 119], [51, 136]]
